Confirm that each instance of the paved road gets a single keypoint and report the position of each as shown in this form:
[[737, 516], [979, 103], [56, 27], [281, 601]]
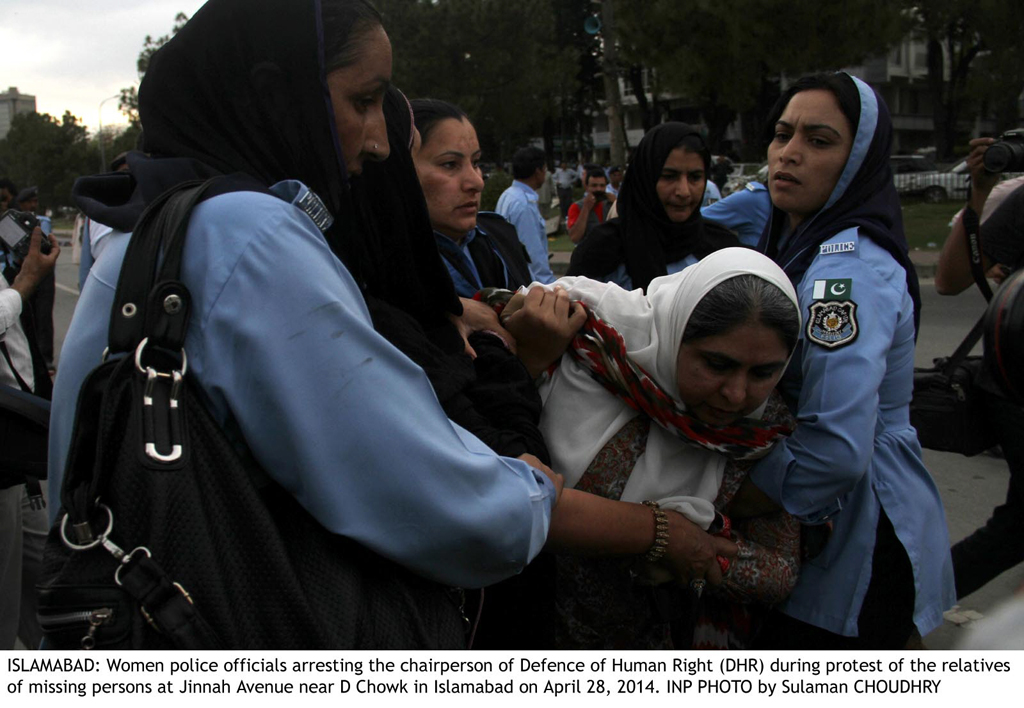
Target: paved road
[[970, 488]]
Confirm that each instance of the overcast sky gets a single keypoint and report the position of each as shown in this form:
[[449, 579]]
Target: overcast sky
[[72, 54]]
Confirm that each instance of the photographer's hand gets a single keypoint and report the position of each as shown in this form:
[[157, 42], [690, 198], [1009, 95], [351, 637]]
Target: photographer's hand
[[953, 274], [579, 227], [36, 266]]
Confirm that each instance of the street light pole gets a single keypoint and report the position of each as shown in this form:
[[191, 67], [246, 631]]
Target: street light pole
[[103, 152]]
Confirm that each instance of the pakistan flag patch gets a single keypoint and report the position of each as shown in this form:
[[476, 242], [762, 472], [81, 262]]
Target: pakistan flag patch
[[832, 324], [833, 289]]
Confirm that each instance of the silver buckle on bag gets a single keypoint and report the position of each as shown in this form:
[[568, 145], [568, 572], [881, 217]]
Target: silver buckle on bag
[[153, 378]]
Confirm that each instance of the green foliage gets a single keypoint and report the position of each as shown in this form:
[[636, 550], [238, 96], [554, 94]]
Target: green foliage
[[499, 61], [996, 78], [124, 141], [129, 101], [496, 183], [40, 150], [721, 53], [975, 63]]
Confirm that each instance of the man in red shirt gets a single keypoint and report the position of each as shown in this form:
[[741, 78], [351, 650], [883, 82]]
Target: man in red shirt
[[589, 211]]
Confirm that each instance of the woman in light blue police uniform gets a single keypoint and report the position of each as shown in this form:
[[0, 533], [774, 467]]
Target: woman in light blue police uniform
[[280, 339], [853, 466]]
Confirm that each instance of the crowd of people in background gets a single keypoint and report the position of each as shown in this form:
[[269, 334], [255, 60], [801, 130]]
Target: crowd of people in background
[[699, 437]]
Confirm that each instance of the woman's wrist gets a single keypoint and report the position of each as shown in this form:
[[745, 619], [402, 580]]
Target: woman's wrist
[[660, 541]]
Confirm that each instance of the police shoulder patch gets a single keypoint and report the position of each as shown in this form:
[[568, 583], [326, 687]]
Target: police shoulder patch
[[832, 324], [844, 247]]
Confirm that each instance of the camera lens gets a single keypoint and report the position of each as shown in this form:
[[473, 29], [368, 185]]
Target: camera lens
[[1004, 155]]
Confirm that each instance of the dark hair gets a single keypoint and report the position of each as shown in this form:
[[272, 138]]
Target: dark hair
[[695, 144], [428, 112], [839, 84], [27, 195], [526, 161], [592, 173], [744, 298], [344, 24], [7, 184]]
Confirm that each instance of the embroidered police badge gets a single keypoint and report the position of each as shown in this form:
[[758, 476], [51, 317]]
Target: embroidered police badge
[[832, 324]]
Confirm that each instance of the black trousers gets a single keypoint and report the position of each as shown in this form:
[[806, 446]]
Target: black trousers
[[999, 544], [564, 201], [886, 619]]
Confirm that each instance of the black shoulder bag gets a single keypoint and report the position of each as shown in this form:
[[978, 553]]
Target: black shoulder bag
[[24, 428], [168, 537], [948, 409]]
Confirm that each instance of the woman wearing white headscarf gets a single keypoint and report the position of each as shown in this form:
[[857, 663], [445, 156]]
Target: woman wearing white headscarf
[[581, 415], [698, 356]]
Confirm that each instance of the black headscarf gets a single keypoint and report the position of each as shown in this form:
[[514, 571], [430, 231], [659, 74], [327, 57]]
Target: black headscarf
[[864, 198], [409, 292], [202, 118], [400, 262], [240, 89], [643, 237]]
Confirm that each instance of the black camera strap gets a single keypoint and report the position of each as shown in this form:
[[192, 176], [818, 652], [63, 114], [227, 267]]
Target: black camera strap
[[972, 227]]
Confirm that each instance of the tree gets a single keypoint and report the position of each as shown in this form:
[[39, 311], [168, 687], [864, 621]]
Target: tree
[[612, 98], [498, 61], [129, 101], [975, 63], [730, 53], [579, 86], [40, 150], [949, 31]]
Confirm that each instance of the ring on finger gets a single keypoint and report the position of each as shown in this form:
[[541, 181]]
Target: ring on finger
[[723, 563]]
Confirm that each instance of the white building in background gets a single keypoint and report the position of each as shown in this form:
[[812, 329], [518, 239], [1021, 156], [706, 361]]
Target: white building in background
[[11, 104]]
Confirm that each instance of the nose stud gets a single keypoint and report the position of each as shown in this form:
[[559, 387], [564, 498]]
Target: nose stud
[[376, 146]]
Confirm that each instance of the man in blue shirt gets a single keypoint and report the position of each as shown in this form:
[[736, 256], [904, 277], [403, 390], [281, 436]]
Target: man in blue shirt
[[519, 204]]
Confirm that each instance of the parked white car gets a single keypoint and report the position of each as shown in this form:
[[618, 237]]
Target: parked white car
[[916, 176]]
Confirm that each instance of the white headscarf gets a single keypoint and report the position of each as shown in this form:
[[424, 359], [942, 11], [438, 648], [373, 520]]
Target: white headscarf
[[580, 416]]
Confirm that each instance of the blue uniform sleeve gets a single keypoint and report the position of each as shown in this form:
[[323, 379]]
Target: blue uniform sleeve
[[731, 212], [831, 448], [340, 418], [745, 212]]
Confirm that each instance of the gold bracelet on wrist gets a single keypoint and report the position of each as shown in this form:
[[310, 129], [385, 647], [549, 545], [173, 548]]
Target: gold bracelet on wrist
[[660, 543]]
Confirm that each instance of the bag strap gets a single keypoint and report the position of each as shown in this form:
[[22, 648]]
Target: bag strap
[[972, 338], [166, 605], [7, 355], [972, 227], [150, 302], [152, 305]]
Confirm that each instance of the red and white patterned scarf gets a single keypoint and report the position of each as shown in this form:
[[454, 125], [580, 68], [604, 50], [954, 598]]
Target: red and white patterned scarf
[[600, 349]]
